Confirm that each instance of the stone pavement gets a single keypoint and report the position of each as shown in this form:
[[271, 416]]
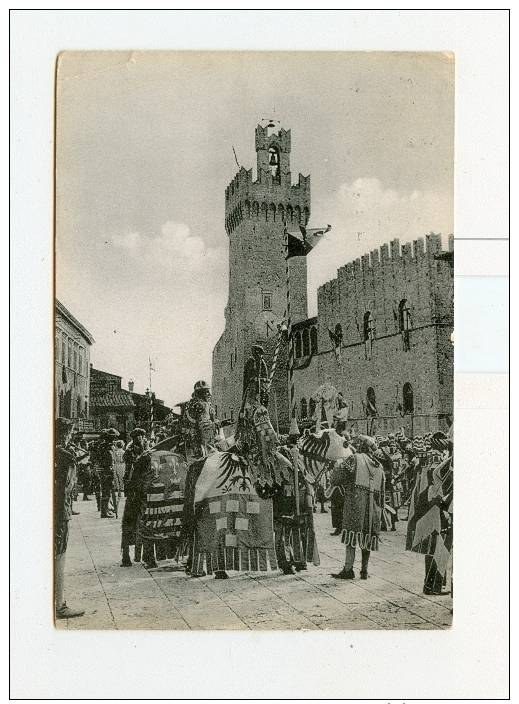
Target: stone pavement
[[117, 597]]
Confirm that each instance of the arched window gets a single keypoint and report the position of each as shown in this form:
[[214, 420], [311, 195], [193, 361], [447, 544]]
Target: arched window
[[371, 402], [247, 209], [255, 210], [272, 212], [264, 211], [368, 334], [306, 342], [298, 344], [274, 163], [306, 216], [313, 339], [304, 409], [281, 212], [64, 350], [404, 323], [290, 213], [408, 398], [297, 214], [311, 409]]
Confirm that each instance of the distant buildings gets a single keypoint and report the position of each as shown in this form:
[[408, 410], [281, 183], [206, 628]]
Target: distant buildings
[[72, 365], [115, 407]]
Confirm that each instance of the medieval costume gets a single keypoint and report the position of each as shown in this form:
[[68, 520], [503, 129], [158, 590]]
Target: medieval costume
[[132, 504], [152, 519], [64, 481], [108, 481], [363, 480], [293, 531], [429, 529], [255, 379], [199, 424], [227, 524]]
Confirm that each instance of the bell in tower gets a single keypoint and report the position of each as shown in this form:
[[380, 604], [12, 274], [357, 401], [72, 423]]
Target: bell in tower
[[274, 163]]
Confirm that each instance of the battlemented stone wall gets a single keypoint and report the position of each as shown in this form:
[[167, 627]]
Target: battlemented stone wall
[[423, 357]]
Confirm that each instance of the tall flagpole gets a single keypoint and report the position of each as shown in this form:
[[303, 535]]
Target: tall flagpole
[[151, 400], [294, 429]]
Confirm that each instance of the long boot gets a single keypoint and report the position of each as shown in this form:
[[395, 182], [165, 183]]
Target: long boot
[[433, 583], [364, 564], [126, 561], [105, 513]]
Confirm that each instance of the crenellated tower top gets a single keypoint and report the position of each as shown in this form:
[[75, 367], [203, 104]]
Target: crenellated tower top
[[272, 196]]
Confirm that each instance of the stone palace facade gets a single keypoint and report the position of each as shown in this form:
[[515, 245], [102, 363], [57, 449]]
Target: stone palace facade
[[382, 334]]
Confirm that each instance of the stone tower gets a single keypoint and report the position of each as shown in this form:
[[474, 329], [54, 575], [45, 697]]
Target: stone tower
[[255, 213]]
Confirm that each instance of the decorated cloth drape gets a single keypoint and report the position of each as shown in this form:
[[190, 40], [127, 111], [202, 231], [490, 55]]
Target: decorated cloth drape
[[155, 501], [429, 528], [229, 526]]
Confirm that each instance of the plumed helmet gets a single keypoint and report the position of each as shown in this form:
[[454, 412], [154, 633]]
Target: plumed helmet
[[202, 386]]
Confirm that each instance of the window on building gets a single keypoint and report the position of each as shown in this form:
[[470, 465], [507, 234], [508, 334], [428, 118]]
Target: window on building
[[408, 398], [306, 342], [78, 408], [371, 402], [311, 408], [298, 344], [64, 349], [368, 334], [313, 339], [274, 163], [304, 408], [70, 354], [81, 360], [267, 300], [404, 323], [76, 362], [86, 409]]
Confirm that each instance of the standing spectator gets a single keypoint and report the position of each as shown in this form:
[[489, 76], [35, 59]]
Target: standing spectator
[[106, 460], [64, 482], [132, 506]]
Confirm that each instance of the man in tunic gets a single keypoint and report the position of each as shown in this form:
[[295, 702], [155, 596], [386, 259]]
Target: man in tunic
[[362, 479], [429, 529], [132, 505], [106, 462], [64, 481], [255, 379]]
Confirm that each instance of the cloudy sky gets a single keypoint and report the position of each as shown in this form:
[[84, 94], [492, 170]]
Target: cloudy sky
[[144, 153]]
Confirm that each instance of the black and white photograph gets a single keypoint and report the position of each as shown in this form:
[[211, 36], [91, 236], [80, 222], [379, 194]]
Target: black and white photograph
[[253, 383]]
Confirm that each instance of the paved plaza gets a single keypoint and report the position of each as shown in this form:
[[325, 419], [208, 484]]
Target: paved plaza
[[116, 597]]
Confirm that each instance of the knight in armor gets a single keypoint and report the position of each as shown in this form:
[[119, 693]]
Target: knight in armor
[[200, 422], [255, 379]]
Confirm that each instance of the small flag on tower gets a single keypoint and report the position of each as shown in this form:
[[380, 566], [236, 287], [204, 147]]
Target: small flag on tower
[[299, 245]]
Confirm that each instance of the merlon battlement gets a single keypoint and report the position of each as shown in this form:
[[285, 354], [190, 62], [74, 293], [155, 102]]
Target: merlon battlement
[[390, 254], [280, 139]]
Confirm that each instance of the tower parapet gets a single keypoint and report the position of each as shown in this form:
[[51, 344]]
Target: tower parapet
[[271, 197]]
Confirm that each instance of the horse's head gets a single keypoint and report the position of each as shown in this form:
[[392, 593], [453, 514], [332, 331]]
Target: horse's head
[[325, 446]]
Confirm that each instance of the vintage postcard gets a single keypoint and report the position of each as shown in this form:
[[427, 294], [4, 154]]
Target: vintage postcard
[[253, 340]]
